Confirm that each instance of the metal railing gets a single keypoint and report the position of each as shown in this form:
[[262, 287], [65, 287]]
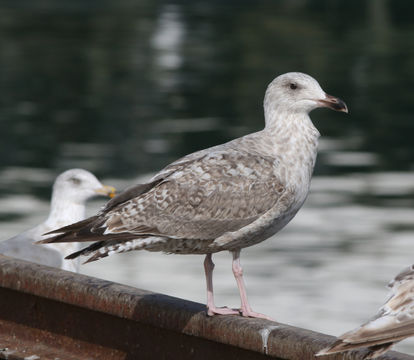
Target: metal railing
[[47, 313]]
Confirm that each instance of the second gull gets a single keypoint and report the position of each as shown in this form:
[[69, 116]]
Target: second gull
[[71, 189]]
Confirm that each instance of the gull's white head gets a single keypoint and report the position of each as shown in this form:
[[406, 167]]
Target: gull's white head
[[78, 185], [296, 92]]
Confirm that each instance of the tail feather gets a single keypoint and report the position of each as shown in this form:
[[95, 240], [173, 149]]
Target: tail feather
[[374, 350], [121, 243], [337, 346], [85, 251], [98, 255], [52, 239], [70, 237], [74, 227], [80, 231]]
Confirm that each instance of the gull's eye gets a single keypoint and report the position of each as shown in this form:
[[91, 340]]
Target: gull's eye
[[75, 180], [293, 86]]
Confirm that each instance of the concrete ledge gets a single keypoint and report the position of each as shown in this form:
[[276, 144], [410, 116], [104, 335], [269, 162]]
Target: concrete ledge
[[49, 313]]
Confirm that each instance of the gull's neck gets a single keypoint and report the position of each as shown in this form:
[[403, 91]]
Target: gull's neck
[[281, 123], [64, 211], [293, 139]]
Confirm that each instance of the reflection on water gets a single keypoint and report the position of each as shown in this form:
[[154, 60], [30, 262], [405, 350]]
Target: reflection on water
[[123, 88]]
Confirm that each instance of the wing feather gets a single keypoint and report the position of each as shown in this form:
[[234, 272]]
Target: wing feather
[[208, 196], [199, 197]]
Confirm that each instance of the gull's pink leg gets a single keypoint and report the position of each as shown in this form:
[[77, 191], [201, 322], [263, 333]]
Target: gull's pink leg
[[211, 308], [245, 309]]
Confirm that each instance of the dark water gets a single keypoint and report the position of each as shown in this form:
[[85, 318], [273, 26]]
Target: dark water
[[128, 86], [123, 88]]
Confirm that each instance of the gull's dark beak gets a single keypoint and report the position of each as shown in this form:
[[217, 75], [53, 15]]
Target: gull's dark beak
[[333, 103]]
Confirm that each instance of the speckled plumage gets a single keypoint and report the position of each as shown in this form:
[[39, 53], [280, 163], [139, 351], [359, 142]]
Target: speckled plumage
[[393, 322], [227, 197]]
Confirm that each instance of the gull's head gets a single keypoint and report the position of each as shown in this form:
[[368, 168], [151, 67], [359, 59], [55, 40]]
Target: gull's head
[[78, 185], [296, 92]]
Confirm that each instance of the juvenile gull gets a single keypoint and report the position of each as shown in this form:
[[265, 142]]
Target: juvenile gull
[[70, 191], [393, 322], [227, 197]]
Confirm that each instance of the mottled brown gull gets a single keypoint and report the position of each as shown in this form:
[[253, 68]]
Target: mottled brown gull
[[227, 197], [71, 189], [393, 322]]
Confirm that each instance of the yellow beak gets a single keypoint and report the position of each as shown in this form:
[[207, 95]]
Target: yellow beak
[[106, 190]]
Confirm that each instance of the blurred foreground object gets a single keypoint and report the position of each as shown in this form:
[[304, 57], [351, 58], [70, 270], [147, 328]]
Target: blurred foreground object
[[393, 322]]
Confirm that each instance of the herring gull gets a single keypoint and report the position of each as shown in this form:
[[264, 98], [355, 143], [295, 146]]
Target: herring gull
[[70, 191], [227, 197], [393, 322]]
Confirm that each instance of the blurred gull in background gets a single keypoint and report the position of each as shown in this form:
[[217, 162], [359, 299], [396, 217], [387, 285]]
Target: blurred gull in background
[[71, 190]]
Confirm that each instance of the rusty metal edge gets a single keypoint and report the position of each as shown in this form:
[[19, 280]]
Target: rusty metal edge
[[166, 312]]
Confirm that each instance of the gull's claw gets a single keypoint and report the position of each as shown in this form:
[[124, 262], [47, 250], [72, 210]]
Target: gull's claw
[[221, 311], [253, 314]]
